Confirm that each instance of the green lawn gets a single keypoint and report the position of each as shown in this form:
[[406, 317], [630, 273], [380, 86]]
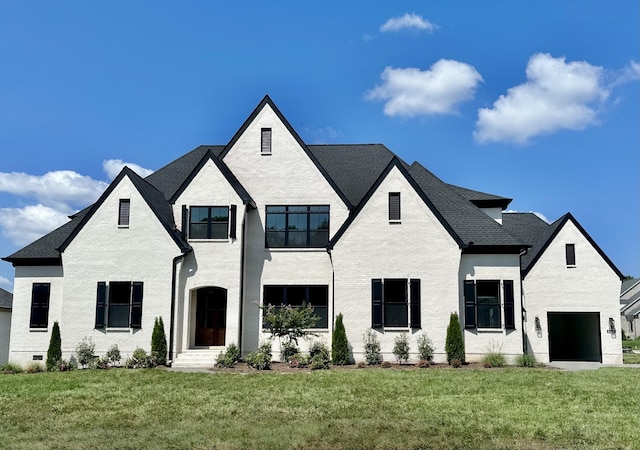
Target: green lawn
[[361, 408]]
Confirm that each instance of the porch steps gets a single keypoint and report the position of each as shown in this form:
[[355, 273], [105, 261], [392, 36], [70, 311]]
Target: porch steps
[[196, 358]]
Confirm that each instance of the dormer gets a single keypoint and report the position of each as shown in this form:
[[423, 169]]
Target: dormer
[[491, 205]]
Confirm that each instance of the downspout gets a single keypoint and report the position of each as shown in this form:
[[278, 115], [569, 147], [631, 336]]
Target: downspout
[[523, 311], [242, 256], [333, 291], [174, 272]]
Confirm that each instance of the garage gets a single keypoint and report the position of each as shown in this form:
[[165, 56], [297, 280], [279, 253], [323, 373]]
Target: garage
[[574, 336]]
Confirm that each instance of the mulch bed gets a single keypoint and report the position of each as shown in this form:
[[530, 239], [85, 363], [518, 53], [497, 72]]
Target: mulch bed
[[278, 367]]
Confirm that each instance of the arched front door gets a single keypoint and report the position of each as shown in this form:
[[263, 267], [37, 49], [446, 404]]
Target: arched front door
[[211, 316]]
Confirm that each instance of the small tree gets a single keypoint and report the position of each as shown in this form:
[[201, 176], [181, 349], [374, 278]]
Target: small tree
[[340, 344], [454, 344], [401, 348], [85, 352], [372, 348], [289, 324], [425, 348], [159, 342], [54, 354]]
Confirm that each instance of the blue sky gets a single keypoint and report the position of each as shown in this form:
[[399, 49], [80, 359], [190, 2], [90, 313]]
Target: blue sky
[[536, 101]]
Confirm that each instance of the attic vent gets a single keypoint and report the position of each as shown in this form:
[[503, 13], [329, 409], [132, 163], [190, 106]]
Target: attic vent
[[123, 213], [265, 143], [394, 206]]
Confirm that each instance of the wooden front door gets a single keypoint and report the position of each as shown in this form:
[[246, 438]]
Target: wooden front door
[[211, 317]]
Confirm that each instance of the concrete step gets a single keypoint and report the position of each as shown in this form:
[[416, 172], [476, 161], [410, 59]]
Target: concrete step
[[196, 358]]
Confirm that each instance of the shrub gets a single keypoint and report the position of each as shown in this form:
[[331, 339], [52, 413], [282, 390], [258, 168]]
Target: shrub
[[454, 344], [526, 360], [299, 361], [372, 348], [140, 360], [85, 352], [54, 354], [401, 348], [455, 362], [494, 359], [340, 344], [424, 364], [230, 357], [35, 367], [288, 351], [159, 342], [261, 358], [319, 356], [10, 368], [113, 354], [65, 366], [102, 363], [425, 348]]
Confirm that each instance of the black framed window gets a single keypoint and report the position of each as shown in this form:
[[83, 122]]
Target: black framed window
[[124, 210], [395, 302], [482, 302], [570, 253], [40, 295], [394, 205], [208, 222], [299, 296], [119, 304], [265, 141], [297, 226]]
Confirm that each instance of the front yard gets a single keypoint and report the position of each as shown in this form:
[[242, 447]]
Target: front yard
[[362, 408]]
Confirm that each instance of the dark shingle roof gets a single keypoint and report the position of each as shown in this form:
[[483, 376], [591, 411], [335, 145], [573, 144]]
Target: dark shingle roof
[[470, 223], [628, 284], [482, 199], [353, 168], [6, 299]]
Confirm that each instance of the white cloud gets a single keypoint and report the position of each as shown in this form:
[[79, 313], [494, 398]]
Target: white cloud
[[557, 95], [411, 92], [113, 167], [408, 21], [24, 225], [58, 194], [626, 75], [5, 282], [57, 189]]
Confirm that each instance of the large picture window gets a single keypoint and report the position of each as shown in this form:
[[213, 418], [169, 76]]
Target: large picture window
[[297, 226], [300, 296], [40, 293], [209, 222], [395, 302], [119, 304]]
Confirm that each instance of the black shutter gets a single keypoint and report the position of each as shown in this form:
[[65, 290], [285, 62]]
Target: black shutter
[[40, 305], [185, 222], [376, 303], [415, 303], [101, 305], [469, 304], [509, 312], [136, 305], [394, 205], [232, 221]]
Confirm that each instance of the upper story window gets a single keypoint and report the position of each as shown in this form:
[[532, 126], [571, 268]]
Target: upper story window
[[394, 206], [209, 222], [395, 302], [40, 293], [265, 141], [297, 226], [570, 254], [123, 212]]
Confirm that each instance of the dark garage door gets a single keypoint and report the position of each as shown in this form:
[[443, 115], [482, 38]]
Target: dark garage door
[[574, 336]]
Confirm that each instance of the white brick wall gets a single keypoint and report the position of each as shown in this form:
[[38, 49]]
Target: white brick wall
[[590, 286], [418, 247]]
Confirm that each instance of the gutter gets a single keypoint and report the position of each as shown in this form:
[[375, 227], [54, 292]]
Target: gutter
[[173, 303], [523, 311]]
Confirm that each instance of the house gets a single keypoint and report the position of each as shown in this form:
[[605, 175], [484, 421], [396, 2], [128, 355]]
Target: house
[[630, 307], [269, 219], [6, 300]]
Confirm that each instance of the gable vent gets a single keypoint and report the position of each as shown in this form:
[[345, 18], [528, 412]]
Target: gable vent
[[394, 205], [265, 143]]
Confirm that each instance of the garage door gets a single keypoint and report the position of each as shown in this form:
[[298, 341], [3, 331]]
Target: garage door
[[574, 336]]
